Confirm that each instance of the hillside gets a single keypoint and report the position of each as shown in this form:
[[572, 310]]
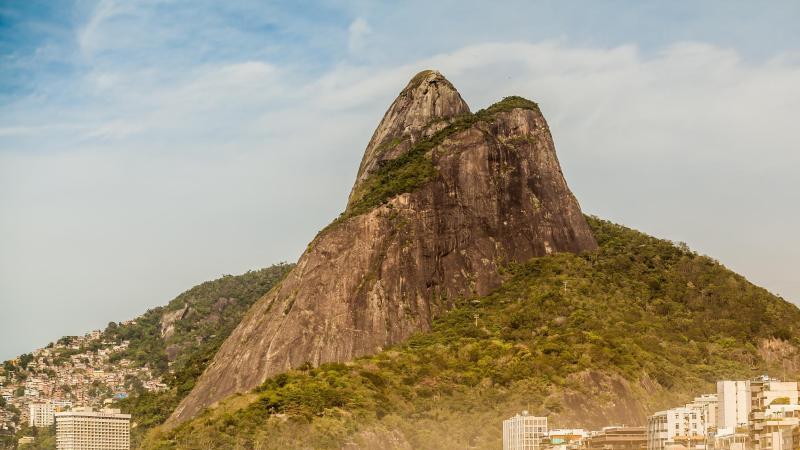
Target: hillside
[[593, 339], [193, 323], [172, 344], [180, 338]]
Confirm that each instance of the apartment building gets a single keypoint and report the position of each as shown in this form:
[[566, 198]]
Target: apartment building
[[566, 438], [84, 428], [677, 429], [774, 413], [791, 439], [524, 432], [617, 438], [765, 391], [771, 430], [708, 407], [42, 414], [736, 440], [733, 405]]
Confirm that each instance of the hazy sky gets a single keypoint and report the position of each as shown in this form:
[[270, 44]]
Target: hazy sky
[[146, 146]]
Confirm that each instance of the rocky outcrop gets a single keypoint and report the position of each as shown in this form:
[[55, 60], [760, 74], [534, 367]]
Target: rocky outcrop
[[427, 97], [168, 321], [780, 356], [459, 196], [602, 399]]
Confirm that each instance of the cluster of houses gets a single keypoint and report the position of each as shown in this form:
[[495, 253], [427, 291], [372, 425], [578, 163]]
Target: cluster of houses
[[758, 414], [74, 372]]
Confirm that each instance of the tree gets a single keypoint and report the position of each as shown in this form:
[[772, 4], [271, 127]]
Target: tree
[[25, 359], [9, 367], [111, 328]]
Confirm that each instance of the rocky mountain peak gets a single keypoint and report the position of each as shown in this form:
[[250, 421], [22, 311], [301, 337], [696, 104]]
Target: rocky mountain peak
[[427, 98], [444, 199]]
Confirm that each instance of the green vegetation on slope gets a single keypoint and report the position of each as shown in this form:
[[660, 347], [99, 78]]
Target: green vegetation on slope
[[637, 309], [44, 438], [211, 312]]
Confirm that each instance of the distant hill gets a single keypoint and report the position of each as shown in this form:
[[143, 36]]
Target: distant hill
[[177, 340], [171, 336], [605, 337]]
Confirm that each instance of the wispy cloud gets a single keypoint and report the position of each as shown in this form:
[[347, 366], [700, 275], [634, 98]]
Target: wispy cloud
[[208, 146], [91, 36], [358, 32]]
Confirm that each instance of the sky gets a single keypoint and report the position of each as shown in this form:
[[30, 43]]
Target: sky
[[147, 146]]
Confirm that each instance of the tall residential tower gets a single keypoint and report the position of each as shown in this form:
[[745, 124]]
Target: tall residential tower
[[524, 432], [83, 428]]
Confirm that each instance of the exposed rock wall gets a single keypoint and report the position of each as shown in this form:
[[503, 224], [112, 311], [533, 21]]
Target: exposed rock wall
[[374, 279], [427, 97]]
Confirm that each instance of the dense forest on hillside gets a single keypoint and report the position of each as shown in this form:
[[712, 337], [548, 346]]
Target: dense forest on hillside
[[201, 318], [589, 339]]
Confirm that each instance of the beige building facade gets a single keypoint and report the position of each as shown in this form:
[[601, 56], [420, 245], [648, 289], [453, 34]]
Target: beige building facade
[[524, 432], [733, 397], [86, 429], [42, 414]]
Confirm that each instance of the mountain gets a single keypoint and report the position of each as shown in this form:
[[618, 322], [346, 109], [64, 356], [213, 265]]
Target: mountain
[[605, 337], [461, 285], [443, 200]]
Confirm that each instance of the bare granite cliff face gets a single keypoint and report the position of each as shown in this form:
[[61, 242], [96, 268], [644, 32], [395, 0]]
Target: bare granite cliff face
[[426, 97], [443, 199]]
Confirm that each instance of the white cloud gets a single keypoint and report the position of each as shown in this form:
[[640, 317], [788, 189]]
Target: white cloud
[[91, 36], [358, 31]]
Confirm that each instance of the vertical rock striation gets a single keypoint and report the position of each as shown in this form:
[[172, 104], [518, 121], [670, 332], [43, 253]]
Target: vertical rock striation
[[457, 196]]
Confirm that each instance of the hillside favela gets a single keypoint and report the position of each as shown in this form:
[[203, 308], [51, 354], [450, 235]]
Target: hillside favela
[[431, 282]]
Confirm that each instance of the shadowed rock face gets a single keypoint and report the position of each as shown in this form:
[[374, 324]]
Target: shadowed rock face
[[372, 280]]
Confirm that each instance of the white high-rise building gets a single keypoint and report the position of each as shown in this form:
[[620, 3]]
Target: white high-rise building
[[683, 427], [83, 428], [708, 406], [42, 414], [733, 405], [524, 432]]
